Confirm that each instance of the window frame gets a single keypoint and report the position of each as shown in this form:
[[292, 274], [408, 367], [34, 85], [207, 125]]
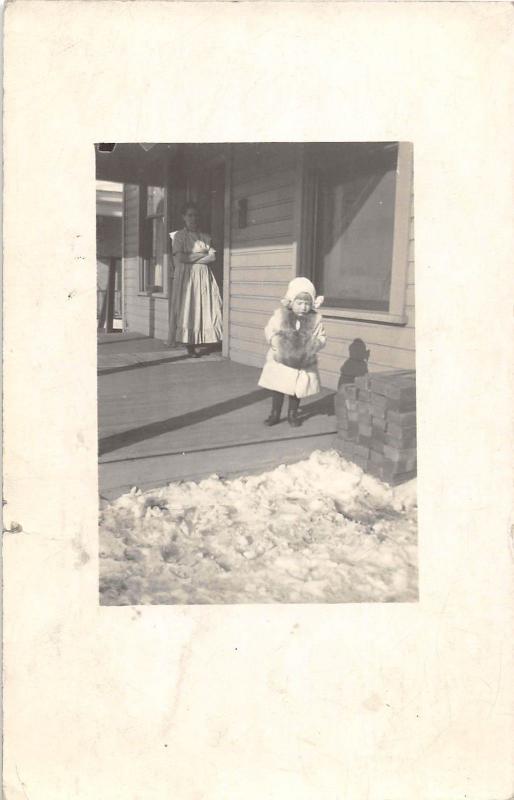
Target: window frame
[[144, 219], [306, 223]]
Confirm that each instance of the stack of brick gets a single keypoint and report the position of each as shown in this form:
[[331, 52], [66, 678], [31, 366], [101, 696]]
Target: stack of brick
[[376, 423]]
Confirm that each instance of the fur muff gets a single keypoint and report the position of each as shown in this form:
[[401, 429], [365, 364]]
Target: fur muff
[[296, 348]]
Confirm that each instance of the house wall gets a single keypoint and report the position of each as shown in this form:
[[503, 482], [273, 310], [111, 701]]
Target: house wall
[[263, 261], [147, 315], [262, 254], [262, 258]]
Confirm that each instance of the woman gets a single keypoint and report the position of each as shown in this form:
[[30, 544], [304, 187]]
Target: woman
[[196, 302]]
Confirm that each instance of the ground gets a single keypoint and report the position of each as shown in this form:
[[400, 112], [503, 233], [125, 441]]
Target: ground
[[319, 530]]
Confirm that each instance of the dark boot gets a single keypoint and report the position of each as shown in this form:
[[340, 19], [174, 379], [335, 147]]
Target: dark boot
[[292, 412], [192, 351], [277, 400]]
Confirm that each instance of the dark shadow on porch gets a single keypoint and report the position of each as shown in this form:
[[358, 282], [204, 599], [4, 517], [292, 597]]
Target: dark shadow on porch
[[324, 406], [142, 365], [126, 438]]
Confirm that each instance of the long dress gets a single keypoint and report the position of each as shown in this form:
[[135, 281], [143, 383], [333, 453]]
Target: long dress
[[195, 314]]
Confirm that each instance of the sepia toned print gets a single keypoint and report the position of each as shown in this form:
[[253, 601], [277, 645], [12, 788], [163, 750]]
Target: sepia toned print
[[256, 346]]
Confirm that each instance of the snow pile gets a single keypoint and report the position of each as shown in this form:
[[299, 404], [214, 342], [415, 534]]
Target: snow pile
[[316, 531]]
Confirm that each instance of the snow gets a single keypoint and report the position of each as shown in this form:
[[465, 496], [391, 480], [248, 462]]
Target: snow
[[319, 530]]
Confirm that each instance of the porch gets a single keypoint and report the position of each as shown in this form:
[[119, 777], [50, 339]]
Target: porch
[[163, 417]]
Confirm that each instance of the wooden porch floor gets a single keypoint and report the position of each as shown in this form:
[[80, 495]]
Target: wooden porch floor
[[165, 417]]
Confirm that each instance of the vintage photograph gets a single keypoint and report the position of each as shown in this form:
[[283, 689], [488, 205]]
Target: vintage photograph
[[256, 372]]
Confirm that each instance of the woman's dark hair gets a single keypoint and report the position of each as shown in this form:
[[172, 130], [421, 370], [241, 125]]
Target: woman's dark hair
[[185, 208]]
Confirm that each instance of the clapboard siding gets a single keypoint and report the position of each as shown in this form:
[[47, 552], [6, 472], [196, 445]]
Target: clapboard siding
[[281, 228], [250, 319], [270, 197], [148, 315], [271, 213], [388, 335], [251, 304], [247, 333], [262, 257], [254, 187], [260, 275], [270, 288], [242, 356]]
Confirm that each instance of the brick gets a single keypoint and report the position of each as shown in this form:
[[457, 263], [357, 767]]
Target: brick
[[351, 405], [379, 401], [350, 390], [375, 470], [393, 479], [365, 429], [343, 446], [376, 446], [353, 430], [392, 470], [381, 405], [377, 433], [395, 454], [364, 395], [403, 440], [376, 458], [362, 381], [400, 430], [398, 384], [403, 477], [340, 408], [405, 419], [396, 392], [364, 440], [361, 451], [399, 466]]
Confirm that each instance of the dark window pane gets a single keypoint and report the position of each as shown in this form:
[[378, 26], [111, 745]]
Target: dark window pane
[[355, 226]]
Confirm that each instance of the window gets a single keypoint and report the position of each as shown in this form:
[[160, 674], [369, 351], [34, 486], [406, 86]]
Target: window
[[357, 207], [152, 278]]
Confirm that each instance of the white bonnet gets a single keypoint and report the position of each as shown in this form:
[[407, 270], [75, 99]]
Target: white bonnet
[[301, 286]]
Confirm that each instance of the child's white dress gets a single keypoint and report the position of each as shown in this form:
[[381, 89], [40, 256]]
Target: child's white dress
[[291, 364]]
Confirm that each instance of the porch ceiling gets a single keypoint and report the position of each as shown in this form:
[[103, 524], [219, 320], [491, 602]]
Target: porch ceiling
[[131, 163]]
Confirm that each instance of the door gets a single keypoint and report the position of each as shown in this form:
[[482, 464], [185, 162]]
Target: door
[[216, 213]]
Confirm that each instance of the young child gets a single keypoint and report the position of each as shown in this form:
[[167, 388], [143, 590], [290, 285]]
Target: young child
[[295, 334]]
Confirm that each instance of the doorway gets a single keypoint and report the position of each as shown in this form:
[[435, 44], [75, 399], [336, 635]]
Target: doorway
[[214, 194]]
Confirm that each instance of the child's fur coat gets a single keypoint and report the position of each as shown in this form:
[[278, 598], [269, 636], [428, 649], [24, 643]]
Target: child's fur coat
[[291, 363]]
